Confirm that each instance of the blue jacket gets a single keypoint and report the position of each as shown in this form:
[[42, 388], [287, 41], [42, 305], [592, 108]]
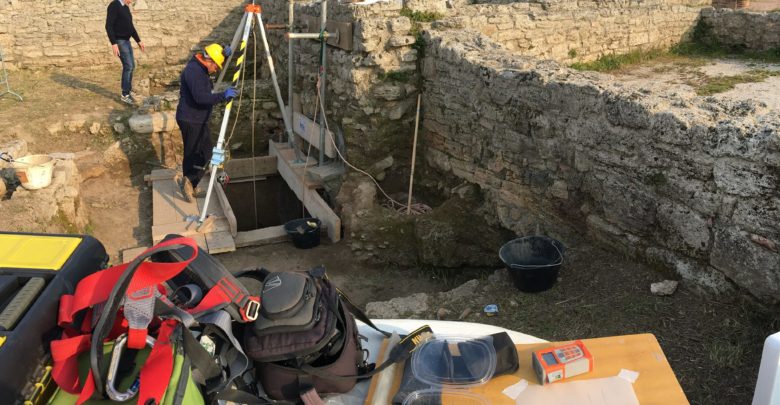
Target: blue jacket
[[195, 98]]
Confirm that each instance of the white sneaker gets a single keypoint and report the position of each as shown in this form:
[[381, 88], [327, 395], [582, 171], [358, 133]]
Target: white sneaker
[[128, 99]]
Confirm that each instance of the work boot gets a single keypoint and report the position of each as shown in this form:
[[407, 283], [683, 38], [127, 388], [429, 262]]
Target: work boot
[[200, 190], [186, 189]]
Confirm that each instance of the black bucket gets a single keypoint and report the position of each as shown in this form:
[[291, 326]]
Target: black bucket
[[305, 232], [533, 262]]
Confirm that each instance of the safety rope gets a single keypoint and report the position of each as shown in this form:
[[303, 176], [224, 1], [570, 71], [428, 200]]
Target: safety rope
[[333, 141]]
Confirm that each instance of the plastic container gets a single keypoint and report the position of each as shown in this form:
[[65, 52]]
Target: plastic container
[[305, 232], [533, 262], [34, 171], [450, 365]]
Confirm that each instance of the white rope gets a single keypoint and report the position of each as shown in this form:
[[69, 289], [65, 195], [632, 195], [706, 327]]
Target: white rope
[[325, 119]]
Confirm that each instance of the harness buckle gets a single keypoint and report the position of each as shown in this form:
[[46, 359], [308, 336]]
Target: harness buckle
[[251, 310], [116, 355]]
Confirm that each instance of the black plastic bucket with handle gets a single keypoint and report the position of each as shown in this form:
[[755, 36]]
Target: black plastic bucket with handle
[[305, 232], [533, 262]]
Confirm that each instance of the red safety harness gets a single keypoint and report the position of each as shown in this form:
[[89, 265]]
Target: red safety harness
[[80, 312]]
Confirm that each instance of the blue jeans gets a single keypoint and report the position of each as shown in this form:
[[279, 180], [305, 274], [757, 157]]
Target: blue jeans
[[128, 64]]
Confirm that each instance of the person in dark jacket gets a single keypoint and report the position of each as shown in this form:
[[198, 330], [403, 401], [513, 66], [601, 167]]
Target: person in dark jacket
[[196, 101], [120, 28]]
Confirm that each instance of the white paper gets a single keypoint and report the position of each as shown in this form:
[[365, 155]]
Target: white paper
[[599, 391], [628, 375], [514, 390]]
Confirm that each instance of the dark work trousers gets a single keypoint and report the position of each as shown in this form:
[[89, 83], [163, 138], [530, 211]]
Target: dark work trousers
[[197, 149]]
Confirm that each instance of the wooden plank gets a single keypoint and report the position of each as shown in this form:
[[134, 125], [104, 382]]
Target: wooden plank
[[220, 242], [288, 155], [226, 210], [240, 168], [132, 253], [181, 228], [656, 385], [311, 200], [264, 236], [160, 174], [344, 29], [201, 241], [165, 202], [310, 132]]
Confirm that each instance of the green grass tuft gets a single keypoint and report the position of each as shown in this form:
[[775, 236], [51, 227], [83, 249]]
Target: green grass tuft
[[610, 63], [396, 76], [421, 16], [714, 85]]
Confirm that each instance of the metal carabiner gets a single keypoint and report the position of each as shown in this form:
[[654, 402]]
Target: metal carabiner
[[116, 355]]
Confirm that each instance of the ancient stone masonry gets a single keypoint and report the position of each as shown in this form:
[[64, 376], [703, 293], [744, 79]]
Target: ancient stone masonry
[[371, 88], [573, 31], [690, 183], [37, 33], [742, 29]]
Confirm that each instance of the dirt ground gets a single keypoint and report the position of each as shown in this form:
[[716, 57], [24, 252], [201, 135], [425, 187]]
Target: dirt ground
[[713, 344]]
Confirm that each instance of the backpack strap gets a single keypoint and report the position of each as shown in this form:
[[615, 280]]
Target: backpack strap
[[402, 351], [358, 313]]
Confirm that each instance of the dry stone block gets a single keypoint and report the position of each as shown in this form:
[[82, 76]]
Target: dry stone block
[[162, 121], [749, 265]]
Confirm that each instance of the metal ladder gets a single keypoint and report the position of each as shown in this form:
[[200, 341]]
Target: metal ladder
[[4, 79]]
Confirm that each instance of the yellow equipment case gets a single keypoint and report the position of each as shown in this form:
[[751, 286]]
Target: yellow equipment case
[[35, 270]]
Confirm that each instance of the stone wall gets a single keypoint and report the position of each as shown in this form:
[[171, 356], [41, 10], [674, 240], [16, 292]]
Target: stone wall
[[741, 29], [572, 31], [371, 89], [690, 183], [68, 33]]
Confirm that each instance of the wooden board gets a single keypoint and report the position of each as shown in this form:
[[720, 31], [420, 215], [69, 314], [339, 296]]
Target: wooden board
[[168, 205], [184, 229], [170, 211], [160, 174], [310, 132], [295, 178], [344, 29], [264, 236], [220, 242], [656, 385], [241, 168], [226, 209], [132, 253]]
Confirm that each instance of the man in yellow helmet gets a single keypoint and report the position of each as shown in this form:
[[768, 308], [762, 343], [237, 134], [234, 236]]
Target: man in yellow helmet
[[196, 101]]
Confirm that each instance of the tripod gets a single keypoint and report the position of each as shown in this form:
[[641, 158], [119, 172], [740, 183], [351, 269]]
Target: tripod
[[4, 79], [252, 13]]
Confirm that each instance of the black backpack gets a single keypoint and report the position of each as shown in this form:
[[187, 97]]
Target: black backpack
[[306, 336]]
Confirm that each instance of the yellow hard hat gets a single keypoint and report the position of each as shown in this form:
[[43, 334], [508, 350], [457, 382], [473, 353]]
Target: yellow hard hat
[[214, 51]]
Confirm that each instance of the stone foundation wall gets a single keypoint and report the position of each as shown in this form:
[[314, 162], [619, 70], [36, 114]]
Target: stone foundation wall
[[742, 29], [35, 33], [371, 89], [689, 183], [570, 31]]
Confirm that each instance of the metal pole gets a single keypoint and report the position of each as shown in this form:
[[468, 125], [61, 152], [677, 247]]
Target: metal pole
[[226, 117], [285, 117], [290, 67], [323, 26], [233, 45]]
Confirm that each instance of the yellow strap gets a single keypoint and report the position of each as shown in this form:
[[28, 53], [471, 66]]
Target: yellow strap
[[236, 76], [240, 60], [2, 340], [243, 45], [228, 106]]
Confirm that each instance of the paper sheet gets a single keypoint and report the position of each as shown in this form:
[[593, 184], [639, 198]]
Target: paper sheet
[[599, 391]]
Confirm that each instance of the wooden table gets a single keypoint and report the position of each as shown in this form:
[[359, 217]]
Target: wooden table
[[656, 385]]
